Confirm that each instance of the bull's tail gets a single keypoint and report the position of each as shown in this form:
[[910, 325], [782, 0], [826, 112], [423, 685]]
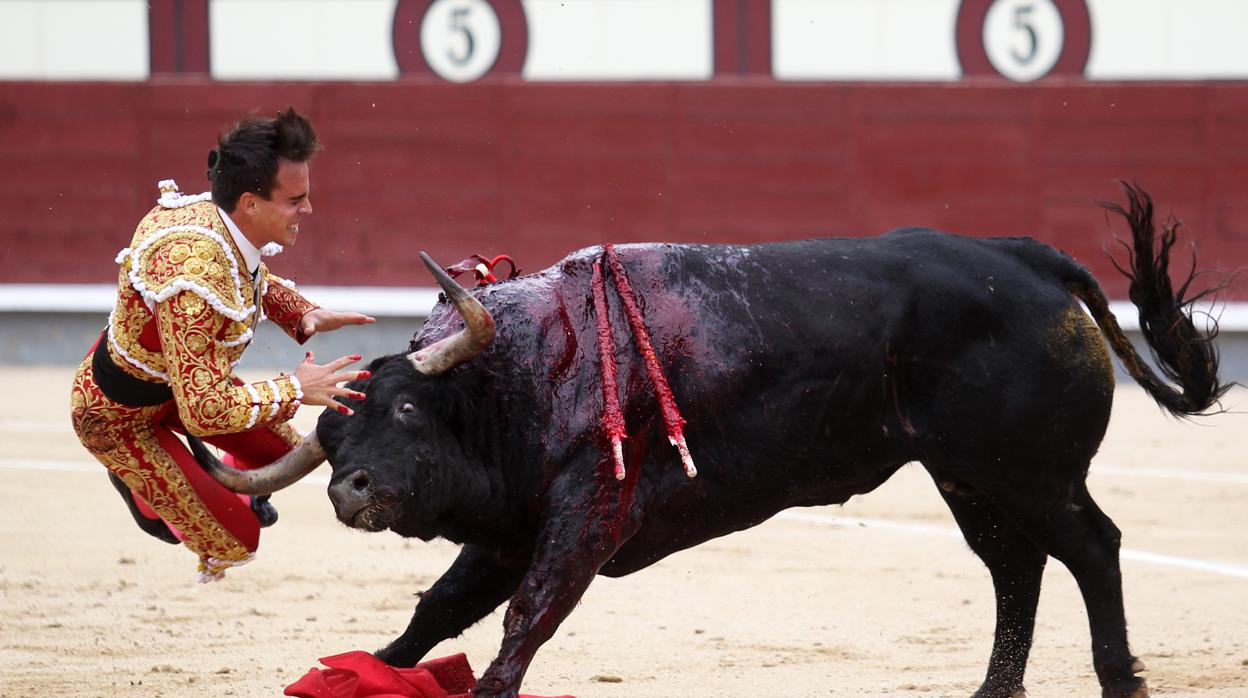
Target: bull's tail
[[1186, 356]]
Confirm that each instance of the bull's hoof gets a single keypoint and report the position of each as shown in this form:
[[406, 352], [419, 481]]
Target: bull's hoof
[[397, 655], [1135, 688], [988, 692]]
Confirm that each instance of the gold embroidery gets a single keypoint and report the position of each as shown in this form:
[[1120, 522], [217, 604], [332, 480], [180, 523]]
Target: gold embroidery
[[284, 306], [199, 372], [122, 440], [201, 378], [196, 342], [288, 434], [128, 320], [163, 263], [191, 349], [193, 242], [167, 490], [192, 304]]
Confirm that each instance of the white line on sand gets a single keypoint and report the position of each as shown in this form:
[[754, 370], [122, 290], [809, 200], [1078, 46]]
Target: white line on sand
[[1222, 568]]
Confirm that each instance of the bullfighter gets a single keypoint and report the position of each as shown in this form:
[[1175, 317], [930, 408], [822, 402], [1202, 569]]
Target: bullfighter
[[191, 291]]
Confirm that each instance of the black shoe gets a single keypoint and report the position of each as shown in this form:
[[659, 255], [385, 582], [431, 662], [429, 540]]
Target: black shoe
[[265, 512]]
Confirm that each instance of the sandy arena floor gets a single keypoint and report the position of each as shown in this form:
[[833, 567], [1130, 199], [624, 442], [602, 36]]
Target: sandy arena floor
[[876, 598]]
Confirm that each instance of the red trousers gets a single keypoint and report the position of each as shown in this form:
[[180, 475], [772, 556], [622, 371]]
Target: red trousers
[[140, 445]]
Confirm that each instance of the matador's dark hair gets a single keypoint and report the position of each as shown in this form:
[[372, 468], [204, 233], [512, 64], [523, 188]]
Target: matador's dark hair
[[247, 155]]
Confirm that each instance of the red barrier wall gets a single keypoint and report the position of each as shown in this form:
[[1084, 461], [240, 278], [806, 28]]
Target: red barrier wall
[[537, 169]]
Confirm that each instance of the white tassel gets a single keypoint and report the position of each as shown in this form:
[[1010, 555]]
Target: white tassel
[[170, 197], [213, 570]]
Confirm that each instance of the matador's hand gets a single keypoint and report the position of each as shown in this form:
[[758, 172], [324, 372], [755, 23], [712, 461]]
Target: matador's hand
[[320, 383], [322, 320]]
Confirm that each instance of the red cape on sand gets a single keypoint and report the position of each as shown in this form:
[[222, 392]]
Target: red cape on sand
[[361, 675]]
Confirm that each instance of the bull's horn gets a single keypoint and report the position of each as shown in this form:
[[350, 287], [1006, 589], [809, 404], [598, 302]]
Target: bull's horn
[[279, 474], [478, 332]]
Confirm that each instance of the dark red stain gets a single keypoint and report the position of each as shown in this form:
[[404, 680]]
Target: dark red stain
[[612, 512], [608, 522], [564, 329]]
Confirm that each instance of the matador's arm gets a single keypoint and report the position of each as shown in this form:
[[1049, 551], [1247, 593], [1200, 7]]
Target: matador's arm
[[209, 399], [285, 306]]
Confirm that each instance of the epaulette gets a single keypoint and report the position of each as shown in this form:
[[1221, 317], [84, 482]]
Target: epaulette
[[178, 248]]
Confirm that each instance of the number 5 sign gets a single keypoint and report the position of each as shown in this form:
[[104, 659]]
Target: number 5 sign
[[1024, 39], [460, 40]]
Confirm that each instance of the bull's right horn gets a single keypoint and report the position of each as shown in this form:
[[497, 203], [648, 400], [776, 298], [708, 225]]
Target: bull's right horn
[[280, 474], [478, 332]]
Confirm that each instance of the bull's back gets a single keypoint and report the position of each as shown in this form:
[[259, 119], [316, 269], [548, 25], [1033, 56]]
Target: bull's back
[[824, 306], [809, 371]]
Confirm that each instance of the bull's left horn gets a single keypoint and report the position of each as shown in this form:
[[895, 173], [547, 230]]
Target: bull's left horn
[[280, 474], [478, 332]]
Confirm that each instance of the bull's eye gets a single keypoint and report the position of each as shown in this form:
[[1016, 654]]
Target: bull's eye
[[407, 408]]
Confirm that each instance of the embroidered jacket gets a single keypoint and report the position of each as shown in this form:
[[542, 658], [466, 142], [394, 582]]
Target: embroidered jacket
[[187, 308]]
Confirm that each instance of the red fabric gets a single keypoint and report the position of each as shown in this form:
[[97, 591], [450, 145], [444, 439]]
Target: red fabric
[[233, 511], [452, 673], [226, 458], [229, 510], [361, 675], [147, 510]]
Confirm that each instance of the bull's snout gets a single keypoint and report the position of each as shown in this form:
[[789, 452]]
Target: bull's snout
[[352, 494], [361, 501]]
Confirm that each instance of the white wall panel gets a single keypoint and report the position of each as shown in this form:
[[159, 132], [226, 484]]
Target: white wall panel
[[619, 39], [856, 40], [611, 39], [290, 39], [73, 39], [1171, 39]]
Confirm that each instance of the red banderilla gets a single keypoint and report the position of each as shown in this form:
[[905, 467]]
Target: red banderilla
[[612, 419]]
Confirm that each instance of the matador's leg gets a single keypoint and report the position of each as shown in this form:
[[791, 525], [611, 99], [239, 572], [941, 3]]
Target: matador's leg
[[252, 449]]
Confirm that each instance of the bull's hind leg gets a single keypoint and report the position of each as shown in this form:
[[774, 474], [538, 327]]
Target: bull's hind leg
[[1017, 566], [1084, 539]]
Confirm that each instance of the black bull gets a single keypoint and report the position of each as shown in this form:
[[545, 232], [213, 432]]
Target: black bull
[[809, 372]]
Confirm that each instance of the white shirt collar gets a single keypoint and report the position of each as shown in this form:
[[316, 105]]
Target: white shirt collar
[[251, 256]]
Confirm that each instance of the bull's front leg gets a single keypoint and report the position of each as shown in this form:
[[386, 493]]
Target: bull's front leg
[[475, 584], [570, 551]]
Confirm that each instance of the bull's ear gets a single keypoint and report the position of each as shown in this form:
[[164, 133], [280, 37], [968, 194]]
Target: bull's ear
[[468, 343]]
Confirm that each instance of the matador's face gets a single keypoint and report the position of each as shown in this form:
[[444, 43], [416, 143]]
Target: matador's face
[[277, 218]]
